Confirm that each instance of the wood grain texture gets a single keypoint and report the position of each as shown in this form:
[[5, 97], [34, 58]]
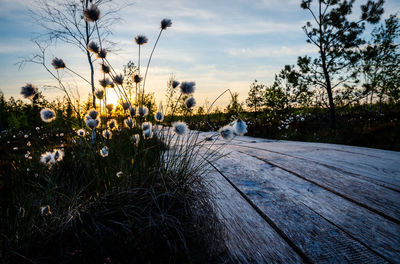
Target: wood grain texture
[[249, 238], [322, 203], [374, 197], [320, 240], [380, 166], [372, 230]]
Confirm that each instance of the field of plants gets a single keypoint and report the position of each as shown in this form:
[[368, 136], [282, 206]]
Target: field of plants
[[95, 181]]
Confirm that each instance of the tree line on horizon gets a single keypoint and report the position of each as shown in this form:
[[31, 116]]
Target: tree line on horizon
[[347, 69]]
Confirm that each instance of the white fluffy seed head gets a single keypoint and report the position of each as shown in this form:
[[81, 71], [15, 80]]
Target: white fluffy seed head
[[45, 210], [58, 63], [148, 133], [165, 23], [104, 152], [93, 47], [226, 132], [99, 94], [58, 154], [92, 13], [240, 127], [93, 113], [159, 117], [47, 158], [92, 123], [143, 111], [132, 110], [126, 105], [179, 128], [105, 68], [147, 125], [190, 102], [81, 132], [129, 122], [47, 115], [174, 84], [105, 82], [141, 39], [119, 79], [107, 134], [102, 54], [112, 124], [29, 91], [110, 107], [135, 138], [187, 87]]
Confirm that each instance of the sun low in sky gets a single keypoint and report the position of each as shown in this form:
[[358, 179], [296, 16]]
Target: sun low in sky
[[219, 44]]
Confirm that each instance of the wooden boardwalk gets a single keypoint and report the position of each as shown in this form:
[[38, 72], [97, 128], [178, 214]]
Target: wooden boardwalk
[[296, 202]]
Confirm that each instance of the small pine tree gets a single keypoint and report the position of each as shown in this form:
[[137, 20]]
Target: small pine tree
[[234, 106], [336, 36], [255, 98], [380, 60]]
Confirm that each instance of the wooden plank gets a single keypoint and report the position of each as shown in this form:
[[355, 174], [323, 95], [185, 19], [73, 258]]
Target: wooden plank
[[378, 165], [380, 168], [378, 199], [249, 238], [320, 240], [315, 145], [375, 232], [372, 170]]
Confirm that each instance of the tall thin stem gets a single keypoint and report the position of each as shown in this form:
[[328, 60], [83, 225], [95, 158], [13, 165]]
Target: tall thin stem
[[90, 58], [59, 82], [139, 62], [148, 62], [98, 34], [112, 77], [227, 90], [77, 74], [177, 101], [139, 74], [93, 135]]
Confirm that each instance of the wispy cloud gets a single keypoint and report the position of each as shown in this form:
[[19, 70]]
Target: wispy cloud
[[273, 51], [219, 44], [190, 18], [238, 29], [6, 48]]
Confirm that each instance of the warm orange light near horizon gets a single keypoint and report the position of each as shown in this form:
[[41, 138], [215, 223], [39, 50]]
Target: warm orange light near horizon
[[112, 98]]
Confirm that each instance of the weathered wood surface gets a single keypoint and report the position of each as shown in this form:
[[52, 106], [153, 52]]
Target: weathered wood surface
[[328, 203], [246, 230]]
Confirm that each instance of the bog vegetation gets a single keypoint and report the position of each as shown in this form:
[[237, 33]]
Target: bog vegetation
[[348, 93], [92, 182], [98, 183]]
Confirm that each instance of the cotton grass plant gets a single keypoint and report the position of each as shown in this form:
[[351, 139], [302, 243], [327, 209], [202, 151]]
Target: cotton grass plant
[[133, 190]]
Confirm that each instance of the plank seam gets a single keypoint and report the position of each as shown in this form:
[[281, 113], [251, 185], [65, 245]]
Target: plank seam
[[351, 174], [266, 218], [326, 188], [350, 235]]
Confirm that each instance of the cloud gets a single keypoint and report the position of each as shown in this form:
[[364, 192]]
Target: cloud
[[128, 51], [286, 5], [211, 79], [273, 51], [204, 19], [243, 28], [217, 45], [6, 48]]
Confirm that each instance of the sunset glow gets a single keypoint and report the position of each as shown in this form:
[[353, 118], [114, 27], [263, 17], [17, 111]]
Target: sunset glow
[[249, 40]]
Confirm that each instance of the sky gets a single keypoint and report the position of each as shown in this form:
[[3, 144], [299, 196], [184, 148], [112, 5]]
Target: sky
[[219, 44]]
